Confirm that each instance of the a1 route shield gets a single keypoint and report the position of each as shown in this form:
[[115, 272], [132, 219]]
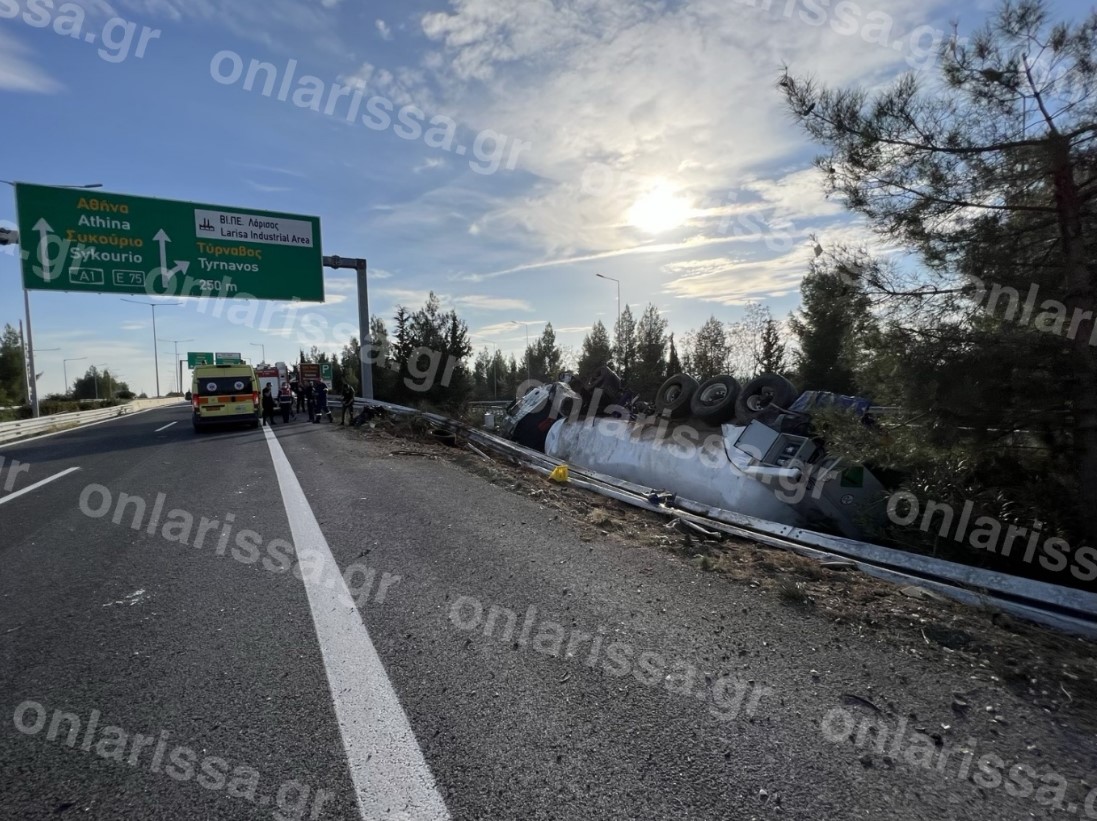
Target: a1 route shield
[[78, 240]]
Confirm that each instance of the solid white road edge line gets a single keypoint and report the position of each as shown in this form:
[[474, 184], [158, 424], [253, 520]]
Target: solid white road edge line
[[391, 777], [168, 425], [29, 488]]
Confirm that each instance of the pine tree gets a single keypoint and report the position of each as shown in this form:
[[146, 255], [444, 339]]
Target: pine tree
[[596, 351], [772, 357], [833, 310], [708, 350], [673, 365], [624, 345], [651, 349]]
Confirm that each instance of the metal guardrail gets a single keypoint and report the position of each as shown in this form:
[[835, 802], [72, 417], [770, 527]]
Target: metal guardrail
[[10, 431], [1063, 608]]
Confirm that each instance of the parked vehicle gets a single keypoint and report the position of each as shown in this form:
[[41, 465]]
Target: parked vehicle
[[224, 395]]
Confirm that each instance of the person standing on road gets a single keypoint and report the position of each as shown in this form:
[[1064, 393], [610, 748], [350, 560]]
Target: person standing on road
[[268, 406], [309, 396], [285, 401], [322, 401], [348, 405], [299, 392]]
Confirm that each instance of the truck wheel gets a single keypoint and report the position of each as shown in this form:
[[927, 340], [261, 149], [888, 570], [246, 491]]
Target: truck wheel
[[607, 380], [761, 392], [674, 396], [714, 401]]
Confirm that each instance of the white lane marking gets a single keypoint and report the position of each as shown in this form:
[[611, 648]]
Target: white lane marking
[[8, 443], [168, 425], [39, 484], [391, 777]]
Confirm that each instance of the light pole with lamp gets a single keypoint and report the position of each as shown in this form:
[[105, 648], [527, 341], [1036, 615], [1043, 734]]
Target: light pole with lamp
[[155, 347], [526, 355], [263, 348], [104, 366], [32, 377], [8, 237], [611, 279], [177, 365], [65, 367]]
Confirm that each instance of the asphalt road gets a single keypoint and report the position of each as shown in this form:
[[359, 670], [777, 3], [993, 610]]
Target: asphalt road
[[363, 635]]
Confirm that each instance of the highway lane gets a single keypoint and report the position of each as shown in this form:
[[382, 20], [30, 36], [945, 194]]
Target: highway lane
[[154, 636], [540, 675]]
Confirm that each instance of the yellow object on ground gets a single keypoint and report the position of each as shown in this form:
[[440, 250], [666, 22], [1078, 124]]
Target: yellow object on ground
[[559, 473]]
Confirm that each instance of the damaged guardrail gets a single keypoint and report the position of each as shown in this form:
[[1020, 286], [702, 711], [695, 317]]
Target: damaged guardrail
[[1063, 608]]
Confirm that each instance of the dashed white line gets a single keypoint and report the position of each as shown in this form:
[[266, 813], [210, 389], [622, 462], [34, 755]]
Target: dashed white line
[[168, 425], [39, 484], [391, 777]]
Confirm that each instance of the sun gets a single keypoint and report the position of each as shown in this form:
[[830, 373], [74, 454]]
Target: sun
[[659, 210]]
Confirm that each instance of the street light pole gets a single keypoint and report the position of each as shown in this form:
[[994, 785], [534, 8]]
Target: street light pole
[[611, 279], [516, 322], [155, 346], [65, 367], [177, 367], [263, 349]]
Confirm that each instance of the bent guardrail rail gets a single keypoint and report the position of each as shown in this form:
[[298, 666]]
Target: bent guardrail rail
[[1066, 609]]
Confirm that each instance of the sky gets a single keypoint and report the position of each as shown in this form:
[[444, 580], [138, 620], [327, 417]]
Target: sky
[[503, 154]]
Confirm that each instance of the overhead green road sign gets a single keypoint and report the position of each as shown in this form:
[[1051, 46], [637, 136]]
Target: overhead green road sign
[[227, 359], [196, 359], [75, 240]]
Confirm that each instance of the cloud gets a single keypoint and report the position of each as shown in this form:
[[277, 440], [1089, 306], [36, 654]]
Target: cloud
[[383, 29], [491, 303], [131, 325], [267, 189], [429, 164], [18, 74]]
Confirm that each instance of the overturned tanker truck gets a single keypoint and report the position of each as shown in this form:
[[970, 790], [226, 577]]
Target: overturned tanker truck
[[749, 449]]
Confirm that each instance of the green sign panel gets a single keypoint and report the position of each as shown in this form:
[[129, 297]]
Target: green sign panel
[[196, 359], [227, 359], [78, 240], [325, 372]]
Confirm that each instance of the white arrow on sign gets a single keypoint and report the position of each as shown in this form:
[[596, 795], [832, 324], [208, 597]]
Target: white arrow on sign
[[44, 230], [166, 273]]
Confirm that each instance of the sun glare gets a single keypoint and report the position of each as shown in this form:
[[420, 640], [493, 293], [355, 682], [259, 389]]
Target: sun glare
[[659, 210]]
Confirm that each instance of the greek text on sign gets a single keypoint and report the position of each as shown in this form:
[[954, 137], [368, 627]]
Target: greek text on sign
[[259, 228]]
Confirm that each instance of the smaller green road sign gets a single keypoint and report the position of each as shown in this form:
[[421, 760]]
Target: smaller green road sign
[[227, 359], [196, 359], [75, 240]]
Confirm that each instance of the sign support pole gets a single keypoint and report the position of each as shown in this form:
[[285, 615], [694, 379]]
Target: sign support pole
[[32, 385], [365, 346]]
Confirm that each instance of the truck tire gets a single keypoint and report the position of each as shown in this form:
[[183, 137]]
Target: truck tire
[[674, 396], [762, 392], [607, 380], [714, 401]]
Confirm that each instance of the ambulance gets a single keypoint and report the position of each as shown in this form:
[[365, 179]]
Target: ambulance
[[224, 395]]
